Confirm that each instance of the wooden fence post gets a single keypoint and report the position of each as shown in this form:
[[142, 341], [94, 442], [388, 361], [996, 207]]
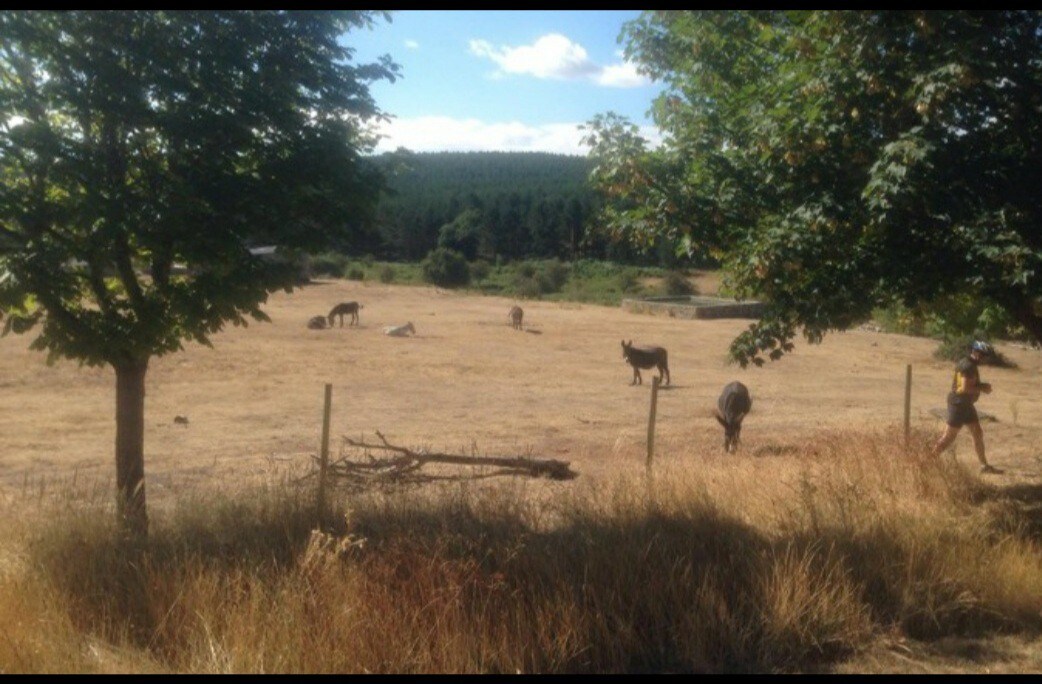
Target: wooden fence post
[[651, 422], [908, 404], [324, 463]]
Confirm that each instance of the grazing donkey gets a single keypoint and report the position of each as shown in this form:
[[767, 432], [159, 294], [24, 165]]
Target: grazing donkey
[[516, 314], [733, 404], [400, 330], [344, 309], [645, 357], [317, 323]]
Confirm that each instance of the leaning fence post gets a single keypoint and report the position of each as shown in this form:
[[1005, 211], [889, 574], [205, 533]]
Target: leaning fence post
[[651, 422], [324, 463], [908, 404]]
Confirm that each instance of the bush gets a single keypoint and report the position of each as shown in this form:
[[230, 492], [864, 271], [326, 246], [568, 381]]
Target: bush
[[354, 273], [446, 268], [677, 285], [526, 269], [480, 269], [950, 317], [958, 347], [627, 281], [527, 288], [330, 264], [387, 274], [553, 276]]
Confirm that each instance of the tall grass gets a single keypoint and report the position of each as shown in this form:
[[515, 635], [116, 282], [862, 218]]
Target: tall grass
[[753, 563]]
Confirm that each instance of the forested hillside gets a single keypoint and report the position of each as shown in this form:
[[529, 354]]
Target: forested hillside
[[486, 205]]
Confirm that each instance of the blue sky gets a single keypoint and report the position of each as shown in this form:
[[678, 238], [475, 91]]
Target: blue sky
[[502, 80]]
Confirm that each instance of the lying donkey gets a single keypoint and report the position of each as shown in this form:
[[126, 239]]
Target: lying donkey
[[400, 330]]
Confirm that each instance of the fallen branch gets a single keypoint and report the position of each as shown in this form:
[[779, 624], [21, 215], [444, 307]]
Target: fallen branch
[[404, 464]]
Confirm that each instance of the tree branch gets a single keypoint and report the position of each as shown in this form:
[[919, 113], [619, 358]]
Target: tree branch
[[407, 462], [127, 275]]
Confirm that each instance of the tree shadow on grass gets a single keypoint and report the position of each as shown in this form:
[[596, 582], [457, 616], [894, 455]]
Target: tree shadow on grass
[[1014, 509]]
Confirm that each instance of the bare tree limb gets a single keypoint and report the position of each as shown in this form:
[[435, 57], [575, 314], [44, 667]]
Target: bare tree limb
[[405, 464]]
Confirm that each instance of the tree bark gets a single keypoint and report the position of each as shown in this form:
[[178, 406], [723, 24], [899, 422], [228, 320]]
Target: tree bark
[[130, 447]]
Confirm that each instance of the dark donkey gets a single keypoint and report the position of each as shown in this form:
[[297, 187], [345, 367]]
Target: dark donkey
[[345, 309], [645, 357], [733, 404]]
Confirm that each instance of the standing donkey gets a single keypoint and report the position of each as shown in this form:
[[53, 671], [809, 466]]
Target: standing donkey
[[731, 407], [516, 314], [346, 308], [645, 357]]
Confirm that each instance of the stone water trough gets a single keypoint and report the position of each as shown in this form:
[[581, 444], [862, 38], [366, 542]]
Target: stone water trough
[[694, 307]]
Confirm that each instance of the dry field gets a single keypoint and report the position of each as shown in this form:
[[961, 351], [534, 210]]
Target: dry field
[[824, 545], [560, 389]]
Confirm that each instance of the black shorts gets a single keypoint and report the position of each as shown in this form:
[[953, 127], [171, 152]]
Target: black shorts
[[961, 414]]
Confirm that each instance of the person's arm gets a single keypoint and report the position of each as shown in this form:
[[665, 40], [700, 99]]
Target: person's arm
[[972, 385]]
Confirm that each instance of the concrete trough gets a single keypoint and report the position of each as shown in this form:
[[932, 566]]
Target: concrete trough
[[694, 307]]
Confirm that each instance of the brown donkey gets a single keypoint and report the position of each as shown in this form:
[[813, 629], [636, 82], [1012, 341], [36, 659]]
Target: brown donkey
[[516, 314], [346, 308]]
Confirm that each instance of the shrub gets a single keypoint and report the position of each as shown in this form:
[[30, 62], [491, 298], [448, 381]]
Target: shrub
[[446, 268], [526, 269], [677, 284], [957, 347], [627, 281], [553, 276], [330, 264], [527, 288], [480, 269], [354, 273], [387, 274]]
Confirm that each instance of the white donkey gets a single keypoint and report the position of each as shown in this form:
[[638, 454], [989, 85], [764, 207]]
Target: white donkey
[[400, 330]]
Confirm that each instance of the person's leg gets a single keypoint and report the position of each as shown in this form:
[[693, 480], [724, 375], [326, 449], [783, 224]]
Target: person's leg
[[978, 445], [950, 433]]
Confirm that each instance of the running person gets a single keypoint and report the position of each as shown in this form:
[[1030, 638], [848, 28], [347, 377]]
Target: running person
[[966, 388]]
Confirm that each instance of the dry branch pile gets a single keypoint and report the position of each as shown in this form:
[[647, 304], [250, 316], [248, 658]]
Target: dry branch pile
[[403, 465]]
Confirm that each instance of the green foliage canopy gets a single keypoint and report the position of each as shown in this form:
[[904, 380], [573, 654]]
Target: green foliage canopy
[[838, 159], [446, 267], [143, 153]]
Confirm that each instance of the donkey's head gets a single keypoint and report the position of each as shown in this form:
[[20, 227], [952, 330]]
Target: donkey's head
[[626, 349], [732, 431]]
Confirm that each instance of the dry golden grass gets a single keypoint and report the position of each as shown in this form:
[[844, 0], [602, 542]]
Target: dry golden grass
[[823, 545], [559, 390], [845, 551]]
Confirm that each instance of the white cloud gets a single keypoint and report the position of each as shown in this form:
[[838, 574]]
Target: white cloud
[[412, 44], [552, 56], [555, 57], [441, 133], [623, 75]]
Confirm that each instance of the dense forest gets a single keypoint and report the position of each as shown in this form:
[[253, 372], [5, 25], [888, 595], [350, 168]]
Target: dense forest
[[489, 205]]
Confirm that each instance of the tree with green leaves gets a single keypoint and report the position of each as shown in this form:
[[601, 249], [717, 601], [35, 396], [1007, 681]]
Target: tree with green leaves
[[837, 160], [142, 155]]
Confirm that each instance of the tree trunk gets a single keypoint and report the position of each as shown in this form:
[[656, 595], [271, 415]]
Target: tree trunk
[[130, 447]]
